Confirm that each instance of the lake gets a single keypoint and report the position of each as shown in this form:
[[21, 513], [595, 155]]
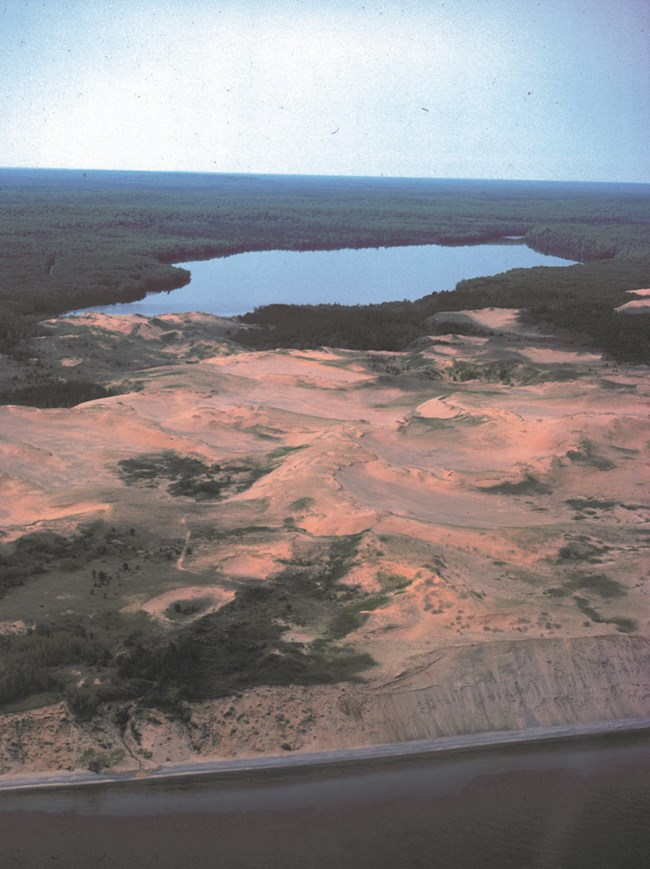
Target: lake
[[237, 284], [579, 805]]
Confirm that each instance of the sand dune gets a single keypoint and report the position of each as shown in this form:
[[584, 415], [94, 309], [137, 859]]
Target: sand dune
[[637, 306], [483, 508], [202, 599]]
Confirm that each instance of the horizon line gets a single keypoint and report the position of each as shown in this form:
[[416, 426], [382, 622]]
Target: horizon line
[[251, 174]]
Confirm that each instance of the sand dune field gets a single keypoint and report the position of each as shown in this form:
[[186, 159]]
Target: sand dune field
[[494, 492]]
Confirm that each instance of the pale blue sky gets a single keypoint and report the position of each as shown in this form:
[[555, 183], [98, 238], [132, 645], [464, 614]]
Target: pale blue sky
[[555, 89]]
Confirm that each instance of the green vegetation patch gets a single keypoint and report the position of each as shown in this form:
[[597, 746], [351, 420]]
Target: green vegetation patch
[[150, 468], [582, 549], [597, 583], [56, 393], [32, 662], [97, 761], [393, 582], [351, 616], [590, 504], [511, 372], [301, 504], [530, 485], [184, 609], [505, 371], [623, 624], [613, 384], [387, 326], [243, 644], [194, 478], [587, 454], [41, 551], [461, 324]]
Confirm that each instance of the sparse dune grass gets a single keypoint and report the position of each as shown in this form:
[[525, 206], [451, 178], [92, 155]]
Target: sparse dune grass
[[590, 504], [596, 583], [587, 454]]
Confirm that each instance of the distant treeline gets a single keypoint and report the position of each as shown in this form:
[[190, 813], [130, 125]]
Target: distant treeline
[[70, 239]]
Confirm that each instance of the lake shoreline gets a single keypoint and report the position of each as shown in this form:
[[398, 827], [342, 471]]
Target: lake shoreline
[[236, 282], [231, 768]]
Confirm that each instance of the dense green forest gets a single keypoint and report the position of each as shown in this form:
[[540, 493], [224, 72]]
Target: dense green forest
[[72, 239], [55, 393]]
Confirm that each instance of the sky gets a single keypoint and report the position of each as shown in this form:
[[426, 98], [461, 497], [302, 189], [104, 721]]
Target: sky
[[521, 89]]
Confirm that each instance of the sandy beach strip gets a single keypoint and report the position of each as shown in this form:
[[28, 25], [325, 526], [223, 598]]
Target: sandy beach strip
[[367, 754]]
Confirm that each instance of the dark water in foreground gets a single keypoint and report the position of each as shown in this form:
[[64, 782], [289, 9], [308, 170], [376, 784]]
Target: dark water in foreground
[[236, 284], [571, 806]]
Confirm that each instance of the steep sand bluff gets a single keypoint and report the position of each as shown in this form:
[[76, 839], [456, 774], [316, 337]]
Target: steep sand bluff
[[490, 496]]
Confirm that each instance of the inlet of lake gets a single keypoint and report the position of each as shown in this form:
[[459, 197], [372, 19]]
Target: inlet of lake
[[236, 284], [578, 805]]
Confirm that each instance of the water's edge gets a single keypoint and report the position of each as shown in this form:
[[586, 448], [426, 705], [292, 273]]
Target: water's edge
[[371, 755], [232, 285]]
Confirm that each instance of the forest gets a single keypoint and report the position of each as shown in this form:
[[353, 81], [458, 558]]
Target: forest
[[71, 239]]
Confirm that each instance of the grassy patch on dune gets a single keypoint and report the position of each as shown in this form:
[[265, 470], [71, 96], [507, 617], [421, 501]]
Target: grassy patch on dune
[[302, 504], [393, 582], [582, 548], [530, 485], [591, 584], [587, 454], [193, 478], [354, 614], [185, 475], [613, 384], [511, 372], [590, 504], [598, 583], [622, 623]]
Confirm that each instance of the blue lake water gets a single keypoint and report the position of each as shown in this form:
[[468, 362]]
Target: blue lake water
[[237, 284], [572, 806]]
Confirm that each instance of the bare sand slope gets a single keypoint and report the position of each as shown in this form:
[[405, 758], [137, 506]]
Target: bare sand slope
[[637, 306], [492, 494]]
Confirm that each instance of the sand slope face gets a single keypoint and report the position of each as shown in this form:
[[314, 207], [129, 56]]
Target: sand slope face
[[470, 515]]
